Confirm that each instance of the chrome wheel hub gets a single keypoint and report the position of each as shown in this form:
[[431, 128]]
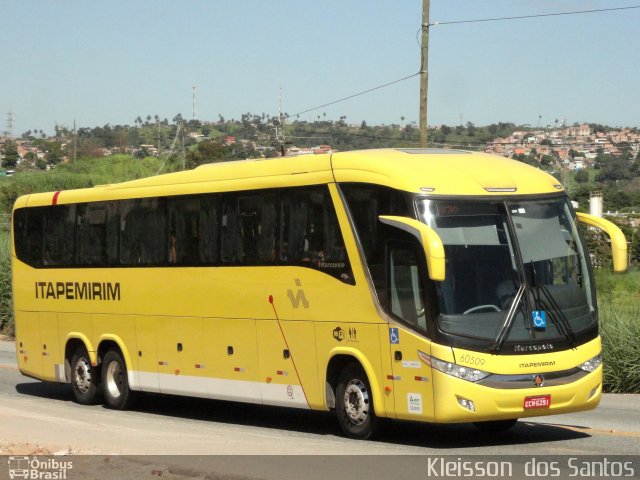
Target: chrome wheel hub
[[114, 380], [82, 377], [356, 402]]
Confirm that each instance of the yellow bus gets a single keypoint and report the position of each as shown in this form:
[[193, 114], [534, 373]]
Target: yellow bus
[[417, 284]]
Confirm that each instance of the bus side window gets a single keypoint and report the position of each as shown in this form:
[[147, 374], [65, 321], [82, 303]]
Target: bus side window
[[143, 232], [293, 227], [366, 203], [310, 235], [185, 218], [28, 231], [231, 248], [248, 233], [92, 234], [406, 292], [59, 235], [302, 231], [209, 229]]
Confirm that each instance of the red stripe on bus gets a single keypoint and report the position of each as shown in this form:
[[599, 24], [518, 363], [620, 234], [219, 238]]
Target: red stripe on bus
[[55, 198]]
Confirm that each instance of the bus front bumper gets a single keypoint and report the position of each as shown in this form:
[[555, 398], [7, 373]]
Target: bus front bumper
[[462, 401]]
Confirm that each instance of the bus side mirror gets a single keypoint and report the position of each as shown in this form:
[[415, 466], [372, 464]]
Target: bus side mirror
[[428, 238], [618, 242]]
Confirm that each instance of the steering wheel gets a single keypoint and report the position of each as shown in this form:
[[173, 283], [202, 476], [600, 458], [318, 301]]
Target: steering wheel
[[481, 307]]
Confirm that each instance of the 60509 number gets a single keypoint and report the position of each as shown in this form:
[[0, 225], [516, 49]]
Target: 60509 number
[[471, 360]]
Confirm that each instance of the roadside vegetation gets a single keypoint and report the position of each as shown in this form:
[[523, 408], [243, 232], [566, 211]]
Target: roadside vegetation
[[6, 312], [619, 306]]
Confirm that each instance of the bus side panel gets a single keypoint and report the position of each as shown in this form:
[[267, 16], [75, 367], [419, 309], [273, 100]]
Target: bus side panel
[[147, 356], [413, 378], [231, 356], [279, 380], [181, 356], [387, 369], [77, 325], [50, 348], [28, 343], [302, 345], [361, 341], [120, 329]]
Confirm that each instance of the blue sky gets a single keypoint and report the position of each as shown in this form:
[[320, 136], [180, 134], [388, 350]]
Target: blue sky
[[108, 62]]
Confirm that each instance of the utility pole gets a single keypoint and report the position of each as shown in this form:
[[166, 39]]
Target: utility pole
[[9, 131], [75, 143], [193, 104], [280, 135], [424, 72]]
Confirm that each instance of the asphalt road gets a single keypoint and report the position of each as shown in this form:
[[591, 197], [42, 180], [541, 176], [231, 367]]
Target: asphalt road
[[38, 417]]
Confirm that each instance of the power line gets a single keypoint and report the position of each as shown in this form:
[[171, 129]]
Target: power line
[[427, 25], [540, 15], [355, 95]]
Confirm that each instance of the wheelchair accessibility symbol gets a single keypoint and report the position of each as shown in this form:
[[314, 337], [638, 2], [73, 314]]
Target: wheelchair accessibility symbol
[[539, 319], [394, 336]]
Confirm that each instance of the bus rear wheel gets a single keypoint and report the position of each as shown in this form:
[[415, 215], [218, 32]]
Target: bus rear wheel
[[84, 378], [115, 384], [354, 404]]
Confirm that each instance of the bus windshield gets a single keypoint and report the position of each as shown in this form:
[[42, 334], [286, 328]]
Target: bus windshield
[[515, 271]]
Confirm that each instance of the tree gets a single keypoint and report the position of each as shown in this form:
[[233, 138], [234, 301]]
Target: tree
[[635, 166], [582, 176], [634, 248], [471, 129], [11, 155], [54, 153], [547, 160]]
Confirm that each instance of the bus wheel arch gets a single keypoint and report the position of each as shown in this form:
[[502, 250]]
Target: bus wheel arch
[[354, 401]]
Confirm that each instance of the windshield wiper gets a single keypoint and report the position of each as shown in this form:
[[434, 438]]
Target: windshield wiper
[[508, 321], [558, 317]]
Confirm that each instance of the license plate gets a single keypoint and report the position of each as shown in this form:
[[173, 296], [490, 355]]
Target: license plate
[[542, 401]]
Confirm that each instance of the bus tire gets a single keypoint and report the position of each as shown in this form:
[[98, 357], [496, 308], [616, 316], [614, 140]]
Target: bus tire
[[354, 403], [495, 426], [115, 384], [85, 378]]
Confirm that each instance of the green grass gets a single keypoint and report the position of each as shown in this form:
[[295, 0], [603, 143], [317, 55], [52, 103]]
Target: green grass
[[81, 174], [620, 331], [6, 311], [619, 308]]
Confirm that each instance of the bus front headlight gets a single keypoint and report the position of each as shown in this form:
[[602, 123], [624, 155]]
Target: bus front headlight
[[592, 364]]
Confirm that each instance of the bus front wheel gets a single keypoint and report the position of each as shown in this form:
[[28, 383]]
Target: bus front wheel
[[115, 382], [354, 403]]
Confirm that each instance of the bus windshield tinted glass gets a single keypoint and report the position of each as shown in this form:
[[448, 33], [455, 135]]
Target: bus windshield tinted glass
[[492, 249]]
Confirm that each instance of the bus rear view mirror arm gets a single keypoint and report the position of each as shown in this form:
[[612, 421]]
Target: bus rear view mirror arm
[[429, 239], [618, 242]]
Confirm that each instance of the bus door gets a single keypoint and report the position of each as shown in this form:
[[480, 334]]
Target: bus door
[[412, 377]]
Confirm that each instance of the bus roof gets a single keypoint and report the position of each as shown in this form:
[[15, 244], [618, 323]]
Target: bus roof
[[426, 171]]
